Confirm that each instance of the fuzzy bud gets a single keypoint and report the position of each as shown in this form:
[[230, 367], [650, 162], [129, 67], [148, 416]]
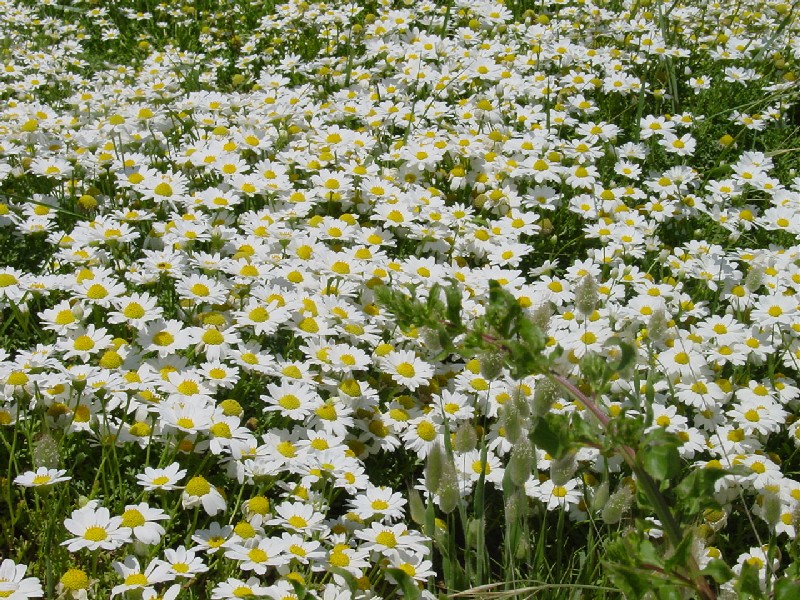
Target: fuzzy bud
[[600, 498], [562, 469], [520, 464], [492, 364], [541, 316], [416, 507], [45, 452], [522, 405], [433, 468], [754, 279], [465, 438], [512, 421], [544, 395], [449, 494], [657, 325], [586, 295], [617, 505]]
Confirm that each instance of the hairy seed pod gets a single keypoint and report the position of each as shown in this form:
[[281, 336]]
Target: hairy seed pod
[[449, 494], [600, 498], [657, 325], [586, 295], [520, 464], [523, 406], [544, 395], [492, 363], [465, 438], [45, 452], [416, 506], [512, 421], [433, 468], [618, 504], [754, 278], [562, 469], [541, 316]]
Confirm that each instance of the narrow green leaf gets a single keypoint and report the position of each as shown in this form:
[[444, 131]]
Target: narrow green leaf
[[406, 583]]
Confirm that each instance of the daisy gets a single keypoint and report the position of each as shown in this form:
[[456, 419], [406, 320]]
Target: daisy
[[134, 578], [292, 399], [233, 588], [13, 583], [298, 516], [95, 529], [406, 369], [213, 538], [266, 552], [382, 502], [140, 521], [387, 539], [41, 477], [199, 491], [166, 478]]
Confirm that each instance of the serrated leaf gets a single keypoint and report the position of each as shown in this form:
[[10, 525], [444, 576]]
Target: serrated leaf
[[661, 461], [551, 434], [627, 355], [719, 571], [454, 303], [696, 491], [748, 584], [531, 334]]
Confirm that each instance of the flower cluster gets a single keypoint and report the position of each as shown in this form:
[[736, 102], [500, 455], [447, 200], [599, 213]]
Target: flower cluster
[[198, 267]]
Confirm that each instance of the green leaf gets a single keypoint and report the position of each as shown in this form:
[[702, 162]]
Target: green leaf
[[453, 297], [679, 560], [786, 589], [748, 584], [696, 491], [407, 584], [660, 457], [551, 434], [627, 355], [719, 571], [531, 334]]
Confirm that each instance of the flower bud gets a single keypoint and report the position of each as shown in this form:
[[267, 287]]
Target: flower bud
[[562, 469], [618, 504], [492, 364], [449, 494], [416, 506], [586, 295], [754, 279], [512, 421], [466, 438], [520, 464], [544, 395], [433, 468], [45, 452], [600, 497], [657, 325]]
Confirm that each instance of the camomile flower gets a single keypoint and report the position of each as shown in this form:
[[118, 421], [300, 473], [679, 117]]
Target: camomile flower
[[166, 478], [199, 492], [41, 477], [406, 369], [382, 502], [94, 529], [140, 519], [298, 516], [387, 539], [212, 539], [259, 556], [184, 563], [233, 588], [136, 578], [554, 496], [135, 310], [13, 583], [295, 400]]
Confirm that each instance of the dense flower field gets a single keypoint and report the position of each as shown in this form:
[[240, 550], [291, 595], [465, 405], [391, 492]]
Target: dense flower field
[[212, 215]]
